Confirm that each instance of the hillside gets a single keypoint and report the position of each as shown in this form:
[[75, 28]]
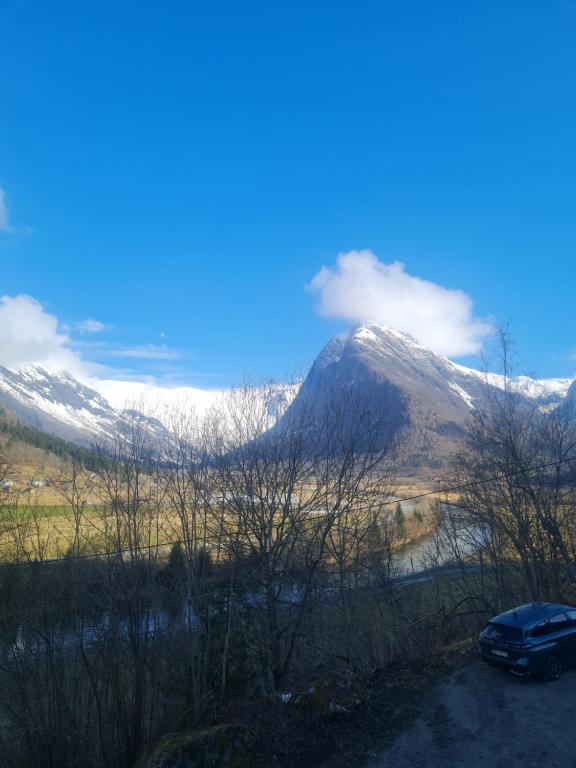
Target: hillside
[[27, 453]]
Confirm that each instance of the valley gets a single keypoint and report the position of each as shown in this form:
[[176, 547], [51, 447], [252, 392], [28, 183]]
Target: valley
[[241, 549], [408, 399]]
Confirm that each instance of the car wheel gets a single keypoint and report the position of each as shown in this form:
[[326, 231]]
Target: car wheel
[[553, 668]]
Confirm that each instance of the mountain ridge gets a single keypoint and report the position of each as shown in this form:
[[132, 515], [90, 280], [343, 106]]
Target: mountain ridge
[[425, 394], [435, 394]]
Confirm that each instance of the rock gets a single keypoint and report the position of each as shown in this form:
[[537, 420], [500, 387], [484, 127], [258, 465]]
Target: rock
[[336, 692], [221, 746]]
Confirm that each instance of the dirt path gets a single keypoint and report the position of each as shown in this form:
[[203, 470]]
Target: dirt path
[[479, 717]]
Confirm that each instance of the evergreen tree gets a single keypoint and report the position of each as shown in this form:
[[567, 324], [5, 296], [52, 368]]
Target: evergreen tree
[[399, 521]]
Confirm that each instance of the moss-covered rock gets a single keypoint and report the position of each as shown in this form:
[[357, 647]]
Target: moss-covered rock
[[222, 746]]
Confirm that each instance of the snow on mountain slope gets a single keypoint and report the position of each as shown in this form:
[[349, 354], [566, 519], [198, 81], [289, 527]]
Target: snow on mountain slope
[[164, 402], [154, 399], [543, 390], [56, 403]]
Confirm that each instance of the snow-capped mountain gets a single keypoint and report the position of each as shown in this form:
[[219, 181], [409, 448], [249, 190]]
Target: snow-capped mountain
[[154, 399], [401, 359], [544, 391], [90, 412], [428, 395], [164, 402], [421, 389], [57, 403]]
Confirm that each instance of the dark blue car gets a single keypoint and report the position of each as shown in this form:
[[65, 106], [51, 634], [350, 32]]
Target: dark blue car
[[533, 639]]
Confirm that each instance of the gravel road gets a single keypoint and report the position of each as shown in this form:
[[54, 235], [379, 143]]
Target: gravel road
[[479, 717]]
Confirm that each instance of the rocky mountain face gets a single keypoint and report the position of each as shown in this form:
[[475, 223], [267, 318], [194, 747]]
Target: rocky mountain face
[[569, 402], [421, 392]]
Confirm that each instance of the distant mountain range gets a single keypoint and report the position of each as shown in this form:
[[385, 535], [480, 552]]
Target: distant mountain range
[[427, 393], [89, 412]]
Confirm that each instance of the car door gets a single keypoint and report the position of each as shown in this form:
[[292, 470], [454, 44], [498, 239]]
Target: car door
[[556, 629]]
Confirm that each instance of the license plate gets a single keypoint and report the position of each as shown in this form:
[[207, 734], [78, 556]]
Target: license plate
[[496, 652]]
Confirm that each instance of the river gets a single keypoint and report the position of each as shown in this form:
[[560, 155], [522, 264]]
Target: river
[[439, 548]]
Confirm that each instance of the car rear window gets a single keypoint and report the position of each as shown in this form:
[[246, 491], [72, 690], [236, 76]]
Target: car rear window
[[503, 632]]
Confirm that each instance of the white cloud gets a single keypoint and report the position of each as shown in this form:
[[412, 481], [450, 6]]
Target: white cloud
[[4, 216], [31, 336], [363, 289], [147, 352], [92, 326]]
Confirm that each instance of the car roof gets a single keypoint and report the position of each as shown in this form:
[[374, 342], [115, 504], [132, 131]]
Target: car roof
[[530, 614]]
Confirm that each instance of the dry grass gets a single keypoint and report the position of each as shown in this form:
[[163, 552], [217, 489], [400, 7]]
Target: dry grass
[[38, 523]]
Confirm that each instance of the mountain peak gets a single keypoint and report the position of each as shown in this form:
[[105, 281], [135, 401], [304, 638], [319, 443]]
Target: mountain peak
[[380, 332], [377, 340]]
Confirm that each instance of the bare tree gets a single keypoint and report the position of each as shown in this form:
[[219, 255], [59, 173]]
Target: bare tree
[[517, 491], [297, 496]]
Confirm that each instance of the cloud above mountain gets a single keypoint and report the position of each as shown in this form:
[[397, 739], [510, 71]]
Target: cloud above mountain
[[29, 335], [362, 289]]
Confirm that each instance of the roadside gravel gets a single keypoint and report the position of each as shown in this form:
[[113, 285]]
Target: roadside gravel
[[479, 717]]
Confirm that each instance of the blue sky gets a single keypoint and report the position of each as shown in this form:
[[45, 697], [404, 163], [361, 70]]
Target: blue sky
[[180, 171]]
